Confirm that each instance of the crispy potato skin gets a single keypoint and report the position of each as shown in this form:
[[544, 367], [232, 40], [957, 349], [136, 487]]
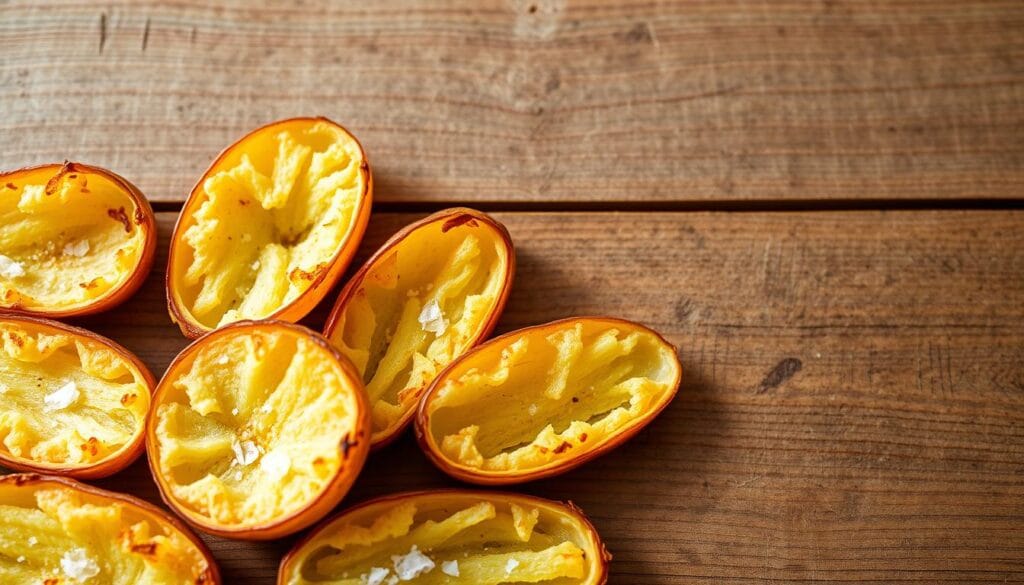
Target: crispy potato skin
[[450, 218], [599, 558], [354, 454], [298, 308], [143, 218], [33, 482], [104, 468], [430, 447]]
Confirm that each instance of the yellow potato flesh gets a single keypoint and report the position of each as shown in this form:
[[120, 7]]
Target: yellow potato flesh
[[274, 214], [74, 245], [462, 270], [549, 395], [38, 528], [108, 413], [281, 398], [491, 542]]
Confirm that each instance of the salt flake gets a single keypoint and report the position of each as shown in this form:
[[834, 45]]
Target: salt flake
[[21, 558], [245, 452], [431, 318], [9, 268], [79, 248], [277, 465], [375, 576], [450, 568], [412, 565], [511, 566], [78, 566], [62, 397], [32, 541]]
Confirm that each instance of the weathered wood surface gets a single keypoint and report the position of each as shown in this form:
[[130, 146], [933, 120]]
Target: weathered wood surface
[[852, 406], [537, 100]]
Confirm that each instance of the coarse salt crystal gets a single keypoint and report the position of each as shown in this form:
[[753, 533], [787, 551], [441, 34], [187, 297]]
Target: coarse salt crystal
[[32, 541], [450, 568], [234, 412], [412, 565], [532, 409], [245, 452], [511, 566], [431, 318], [62, 397], [77, 565], [375, 576], [256, 265], [9, 268], [79, 248], [222, 360], [21, 558], [276, 464]]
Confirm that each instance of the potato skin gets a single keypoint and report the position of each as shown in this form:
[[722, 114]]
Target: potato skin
[[32, 480], [320, 286], [433, 452], [334, 492], [104, 468], [565, 509], [453, 217], [144, 219]]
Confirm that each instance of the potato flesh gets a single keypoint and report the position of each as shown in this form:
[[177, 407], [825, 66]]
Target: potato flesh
[[280, 393], [549, 396], [485, 538], [379, 330], [271, 221], [128, 547], [44, 233], [108, 414]]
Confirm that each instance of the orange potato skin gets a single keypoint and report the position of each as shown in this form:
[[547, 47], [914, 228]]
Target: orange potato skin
[[567, 508], [430, 448], [445, 214], [103, 468], [321, 285], [144, 220], [212, 574], [318, 508]]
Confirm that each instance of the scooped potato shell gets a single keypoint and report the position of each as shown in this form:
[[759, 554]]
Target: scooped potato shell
[[542, 400], [488, 534], [147, 534], [40, 356], [270, 226], [77, 240]]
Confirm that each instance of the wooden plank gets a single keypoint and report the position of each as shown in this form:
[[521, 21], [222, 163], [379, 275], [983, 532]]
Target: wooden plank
[[851, 407], [538, 100]]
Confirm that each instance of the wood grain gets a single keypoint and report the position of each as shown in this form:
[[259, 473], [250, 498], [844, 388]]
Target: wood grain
[[538, 100], [852, 400]]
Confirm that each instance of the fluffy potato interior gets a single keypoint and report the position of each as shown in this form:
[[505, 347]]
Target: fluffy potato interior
[[388, 328], [41, 528], [251, 428], [274, 213], [467, 541], [66, 400], [73, 240], [548, 395]]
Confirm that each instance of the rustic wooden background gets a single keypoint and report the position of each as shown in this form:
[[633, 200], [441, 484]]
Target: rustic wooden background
[[821, 203]]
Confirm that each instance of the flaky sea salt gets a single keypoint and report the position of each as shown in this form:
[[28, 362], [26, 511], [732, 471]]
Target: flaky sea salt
[[245, 452], [21, 558], [78, 566], [376, 576], [511, 566], [234, 412], [431, 318], [276, 464], [450, 568], [32, 541], [79, 248], [412, 565], [9, 268], [62, 397]]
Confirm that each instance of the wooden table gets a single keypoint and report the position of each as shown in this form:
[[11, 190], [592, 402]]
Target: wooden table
[[818, 202]]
